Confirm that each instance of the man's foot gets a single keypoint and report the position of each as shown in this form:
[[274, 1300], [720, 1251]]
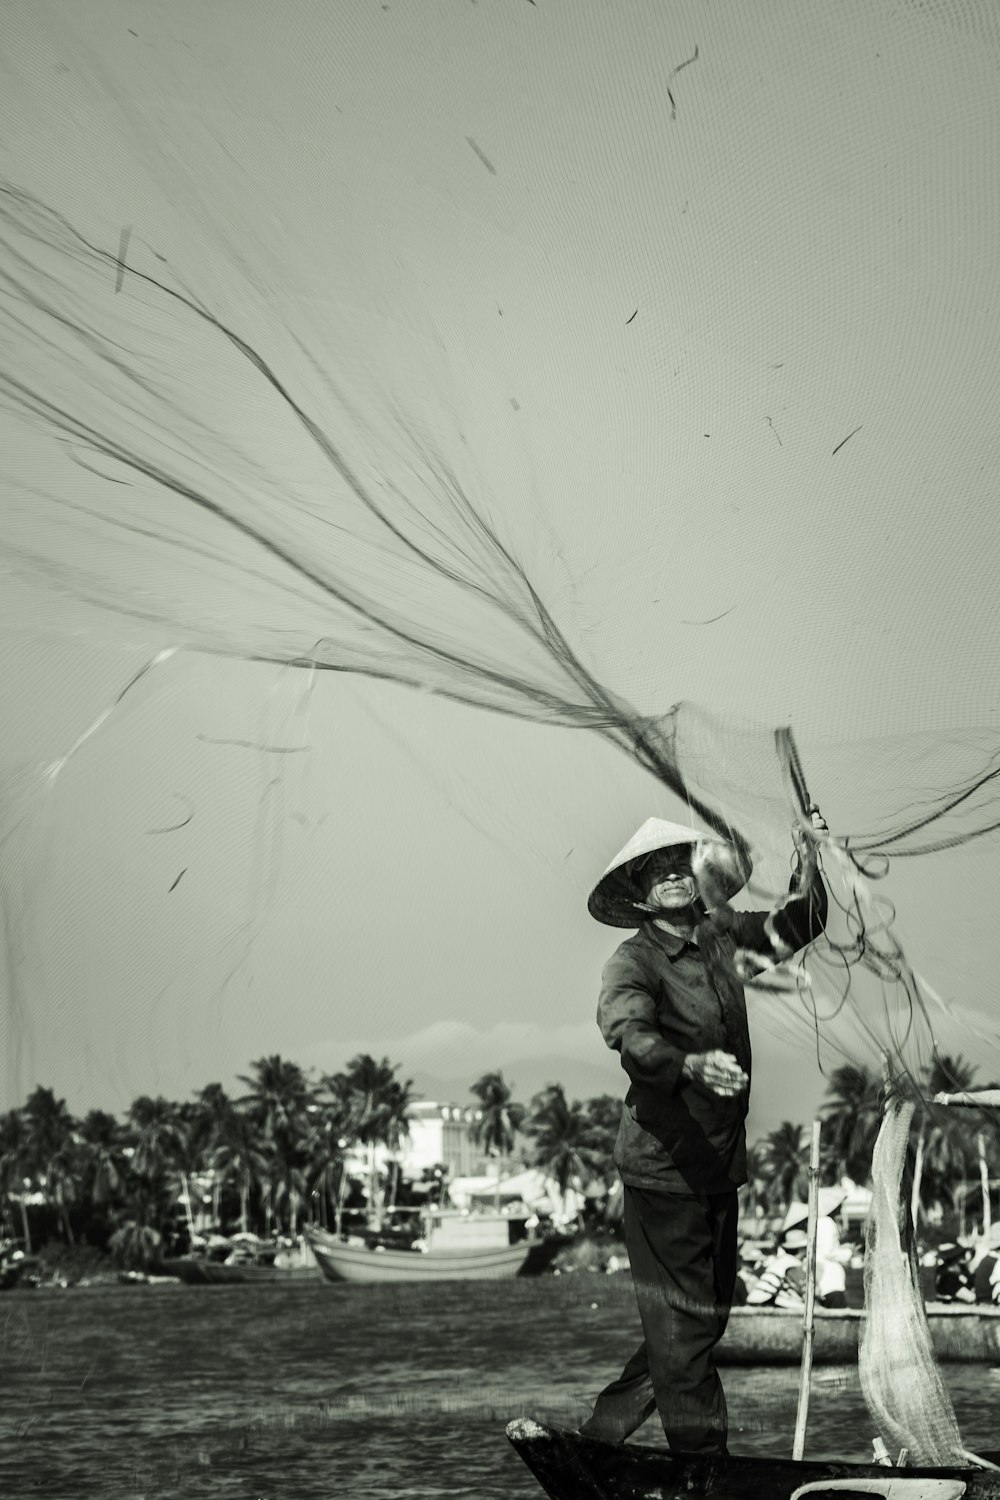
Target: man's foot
[[592, 1436]]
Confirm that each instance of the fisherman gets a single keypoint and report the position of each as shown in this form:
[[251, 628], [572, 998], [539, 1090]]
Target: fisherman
[[831, 1255], [985, 1268], [781, 1281], [954, 1280], [672, 1004]]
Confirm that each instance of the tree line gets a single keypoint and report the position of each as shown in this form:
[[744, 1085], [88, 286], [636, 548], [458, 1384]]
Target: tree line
[[952, 1155], [278, 1154]]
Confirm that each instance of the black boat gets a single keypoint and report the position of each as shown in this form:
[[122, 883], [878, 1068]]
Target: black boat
[[571, 1467]]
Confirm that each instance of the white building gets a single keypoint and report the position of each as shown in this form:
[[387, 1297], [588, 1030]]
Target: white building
[[439, 1135]]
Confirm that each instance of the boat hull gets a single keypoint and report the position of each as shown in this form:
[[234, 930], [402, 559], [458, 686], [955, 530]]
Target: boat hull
[[341, 1262], [570, 1467], [197, 1272], [773, 1335]]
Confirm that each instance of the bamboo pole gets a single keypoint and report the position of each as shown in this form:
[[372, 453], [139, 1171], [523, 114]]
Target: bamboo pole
[[801, 1416]]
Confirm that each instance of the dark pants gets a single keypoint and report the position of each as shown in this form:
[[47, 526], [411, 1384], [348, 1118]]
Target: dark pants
[[684, 1259]]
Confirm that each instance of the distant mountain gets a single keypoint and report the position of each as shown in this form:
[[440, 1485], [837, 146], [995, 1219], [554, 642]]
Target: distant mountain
[[444, 1058]]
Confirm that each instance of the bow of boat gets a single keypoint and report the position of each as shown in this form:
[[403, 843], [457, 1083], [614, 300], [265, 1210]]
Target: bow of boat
[[571, 1467]]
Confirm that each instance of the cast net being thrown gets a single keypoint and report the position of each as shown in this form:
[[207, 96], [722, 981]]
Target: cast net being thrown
[[374, 366]]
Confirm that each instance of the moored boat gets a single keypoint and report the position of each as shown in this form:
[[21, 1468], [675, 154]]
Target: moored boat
[[456, 1247], [960, 1332], [247, 1261], [571, 1467], [197, 1271]]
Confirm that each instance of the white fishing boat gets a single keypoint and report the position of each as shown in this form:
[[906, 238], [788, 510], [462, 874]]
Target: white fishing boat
[[455, 1246]]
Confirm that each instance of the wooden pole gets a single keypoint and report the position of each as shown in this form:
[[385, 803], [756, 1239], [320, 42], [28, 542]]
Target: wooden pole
[[801, 1416]]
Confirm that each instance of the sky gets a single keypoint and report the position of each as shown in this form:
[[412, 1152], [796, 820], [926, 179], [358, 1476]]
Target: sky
[[713, 345]]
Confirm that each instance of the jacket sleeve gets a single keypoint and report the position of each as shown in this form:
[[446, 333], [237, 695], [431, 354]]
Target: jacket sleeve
[[626, 1014], [802, 918], [798, 921]]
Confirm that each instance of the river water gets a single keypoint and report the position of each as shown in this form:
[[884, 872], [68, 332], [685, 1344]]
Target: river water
[[314, 1392]]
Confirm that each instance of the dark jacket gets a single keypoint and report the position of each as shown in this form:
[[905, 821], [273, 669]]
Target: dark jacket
[[663, 997]]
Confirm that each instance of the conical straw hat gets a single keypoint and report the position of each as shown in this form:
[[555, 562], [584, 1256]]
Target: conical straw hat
[[615, 899], [829, 1200]]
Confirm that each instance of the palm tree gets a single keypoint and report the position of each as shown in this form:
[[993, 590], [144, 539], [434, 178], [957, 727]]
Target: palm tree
[[137, 1238], [53, 1150], [15, 1164], [325, 1154], [336, 1130], [280, 1093], [852, 1115], [562, 1138], [210, 1117], [237, 1156], [783, 1162], [604, 1115], [101, 1143], [136, 1245], [158, 1137], [943, 1150], [369, 1086], [284, 1180], [498, 1120], [396, 1128], [157, 1149]]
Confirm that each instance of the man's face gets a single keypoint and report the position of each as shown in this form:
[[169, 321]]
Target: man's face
[[667, 880]]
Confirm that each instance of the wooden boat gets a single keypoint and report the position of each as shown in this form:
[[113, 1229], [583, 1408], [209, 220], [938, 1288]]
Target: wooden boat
[[571, 1467], [258, 1264], [457, 1247], [196, 1270], [961, 1333]]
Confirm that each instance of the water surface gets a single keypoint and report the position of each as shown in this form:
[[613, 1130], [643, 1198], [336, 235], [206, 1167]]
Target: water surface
[[311, 1392]]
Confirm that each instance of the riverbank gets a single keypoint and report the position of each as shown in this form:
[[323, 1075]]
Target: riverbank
[[62, 1267], [66, 1266]]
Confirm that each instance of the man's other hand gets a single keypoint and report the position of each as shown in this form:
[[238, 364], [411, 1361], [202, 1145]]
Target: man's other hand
[[718, 1071]]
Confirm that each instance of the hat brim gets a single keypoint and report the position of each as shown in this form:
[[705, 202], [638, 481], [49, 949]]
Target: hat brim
[[829, 1199], [721, 870]]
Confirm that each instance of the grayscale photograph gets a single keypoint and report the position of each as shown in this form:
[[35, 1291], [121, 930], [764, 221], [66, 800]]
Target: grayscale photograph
[[500, 781]]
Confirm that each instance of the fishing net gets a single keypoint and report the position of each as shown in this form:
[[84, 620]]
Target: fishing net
[[411, 415], [904, 1391], [345, 421]]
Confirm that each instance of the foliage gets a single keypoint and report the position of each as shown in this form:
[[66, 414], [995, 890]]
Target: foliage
[[944, 1141], [136, 1245], [500, 1118], [563, 1139], [782, 1161], [851, 1117], [280, 1152]]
